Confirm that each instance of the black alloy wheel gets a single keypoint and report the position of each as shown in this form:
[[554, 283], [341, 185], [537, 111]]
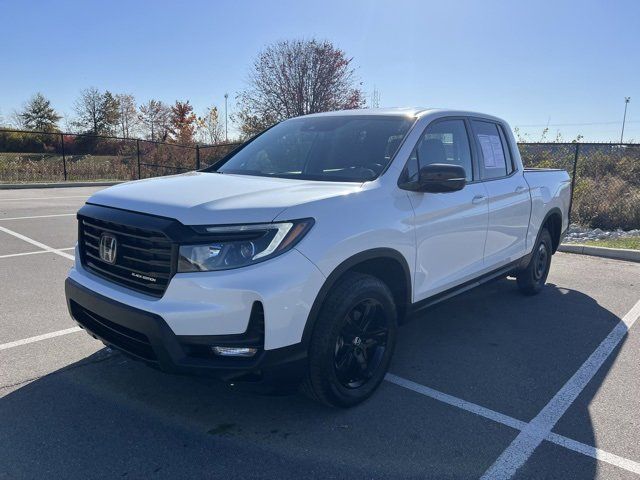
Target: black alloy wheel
[[352, 342], [361, 344]]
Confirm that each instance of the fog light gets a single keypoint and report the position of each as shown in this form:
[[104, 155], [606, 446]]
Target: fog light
[[234, 351]]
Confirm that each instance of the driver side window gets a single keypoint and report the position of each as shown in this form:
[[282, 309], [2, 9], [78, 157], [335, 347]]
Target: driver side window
[[445, 142]]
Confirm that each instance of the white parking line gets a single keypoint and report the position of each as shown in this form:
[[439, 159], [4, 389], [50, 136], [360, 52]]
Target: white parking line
[[457, 402], [19, 199], [540, 427], [594, 452], [37, 243], [34, 253], [560, 440], [37, 338], [40, 216]]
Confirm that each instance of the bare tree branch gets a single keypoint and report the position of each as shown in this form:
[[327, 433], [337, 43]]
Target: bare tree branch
[[295, 78]]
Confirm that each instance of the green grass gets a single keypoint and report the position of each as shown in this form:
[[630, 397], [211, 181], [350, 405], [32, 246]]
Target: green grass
[[632, 243]]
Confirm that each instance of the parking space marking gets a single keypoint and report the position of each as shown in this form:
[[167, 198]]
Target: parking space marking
[[523, 446], [37, 243], [20, 199], [11, 255], [457, 402], [594, 452], [37, 338], [516, 424], [40, 216]]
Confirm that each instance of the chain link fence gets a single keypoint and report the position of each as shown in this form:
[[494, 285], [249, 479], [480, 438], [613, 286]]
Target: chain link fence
[[210, 154], [32, 157], [605, 179], [605, 176]]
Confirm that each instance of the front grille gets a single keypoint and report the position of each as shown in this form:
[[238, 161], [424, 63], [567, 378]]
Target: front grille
[[143, 257], [119, 336]]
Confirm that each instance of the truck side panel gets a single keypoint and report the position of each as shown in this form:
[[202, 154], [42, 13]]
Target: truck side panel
[[550, 189]]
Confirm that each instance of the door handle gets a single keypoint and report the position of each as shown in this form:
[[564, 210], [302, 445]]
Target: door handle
[[520, 189], [478, 199]]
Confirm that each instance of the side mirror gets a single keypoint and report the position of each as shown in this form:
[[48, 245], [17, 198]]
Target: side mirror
[[441, 178]]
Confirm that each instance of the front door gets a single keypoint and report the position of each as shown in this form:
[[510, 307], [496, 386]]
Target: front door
[[450, 227]]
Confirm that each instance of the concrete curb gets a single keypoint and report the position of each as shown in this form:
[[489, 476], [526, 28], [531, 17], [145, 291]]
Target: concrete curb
[[17, 186], [605, 252]]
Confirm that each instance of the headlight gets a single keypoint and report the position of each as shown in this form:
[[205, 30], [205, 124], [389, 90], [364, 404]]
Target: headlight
[[240, 245]]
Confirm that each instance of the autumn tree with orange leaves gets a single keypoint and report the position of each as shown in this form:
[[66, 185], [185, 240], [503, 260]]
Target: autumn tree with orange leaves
[[183, 122]]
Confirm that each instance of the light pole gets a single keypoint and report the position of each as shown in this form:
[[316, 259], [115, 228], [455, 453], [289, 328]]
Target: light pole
[[226, 123], [624, 118]]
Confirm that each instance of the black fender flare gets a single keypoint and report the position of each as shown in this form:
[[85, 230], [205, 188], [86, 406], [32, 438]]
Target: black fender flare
[[345, 266], [527, 258]]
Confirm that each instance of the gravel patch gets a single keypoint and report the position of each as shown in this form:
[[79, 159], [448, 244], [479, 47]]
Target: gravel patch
[[578, 234]]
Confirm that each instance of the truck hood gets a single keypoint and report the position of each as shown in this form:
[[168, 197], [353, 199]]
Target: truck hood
[[199, 198]]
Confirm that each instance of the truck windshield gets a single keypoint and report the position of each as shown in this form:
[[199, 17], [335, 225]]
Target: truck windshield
[[352, 148]]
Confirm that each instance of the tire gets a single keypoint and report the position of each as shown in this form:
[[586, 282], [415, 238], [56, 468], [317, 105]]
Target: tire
[[352, 342], [533, 277]]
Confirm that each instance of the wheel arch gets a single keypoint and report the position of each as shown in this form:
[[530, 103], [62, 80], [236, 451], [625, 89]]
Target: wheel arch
[[552, 219], [553, 222], [387, 264]]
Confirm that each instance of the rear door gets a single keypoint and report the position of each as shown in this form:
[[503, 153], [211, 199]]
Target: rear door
[[508, 192], [450, 227]]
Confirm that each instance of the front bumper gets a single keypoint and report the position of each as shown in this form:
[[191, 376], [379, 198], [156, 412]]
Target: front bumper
[[147, 337], [220, 303]]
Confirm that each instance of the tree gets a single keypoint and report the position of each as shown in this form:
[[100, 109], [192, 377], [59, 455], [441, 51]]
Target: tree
[[127, 114], [97, 113], [183, 122], [210, 129], [38, 114], [154, 116], [293, 78], [87, 108], [111, 112]]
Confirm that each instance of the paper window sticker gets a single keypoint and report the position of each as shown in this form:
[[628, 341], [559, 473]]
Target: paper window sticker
[[487, 151], [498, 153]]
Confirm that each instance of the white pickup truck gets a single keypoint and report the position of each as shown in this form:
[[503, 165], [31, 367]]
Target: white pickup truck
[[295, 258]]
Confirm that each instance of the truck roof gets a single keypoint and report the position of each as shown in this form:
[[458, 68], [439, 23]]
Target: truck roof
[[396, 111], [401, 111]]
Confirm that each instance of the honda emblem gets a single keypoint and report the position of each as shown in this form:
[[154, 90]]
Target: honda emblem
[[108, 248]]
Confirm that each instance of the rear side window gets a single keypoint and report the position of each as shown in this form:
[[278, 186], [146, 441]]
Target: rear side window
[[494, 156]]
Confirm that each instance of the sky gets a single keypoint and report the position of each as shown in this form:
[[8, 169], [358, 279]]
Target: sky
[[566, 64]]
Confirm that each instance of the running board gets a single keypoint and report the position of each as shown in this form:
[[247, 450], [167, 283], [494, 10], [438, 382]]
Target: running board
[[452, 292]]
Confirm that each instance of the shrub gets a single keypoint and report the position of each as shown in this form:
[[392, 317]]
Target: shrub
[[609, 202]]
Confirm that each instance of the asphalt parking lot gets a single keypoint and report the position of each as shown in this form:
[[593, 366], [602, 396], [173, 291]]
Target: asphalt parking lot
[[489, 383]]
